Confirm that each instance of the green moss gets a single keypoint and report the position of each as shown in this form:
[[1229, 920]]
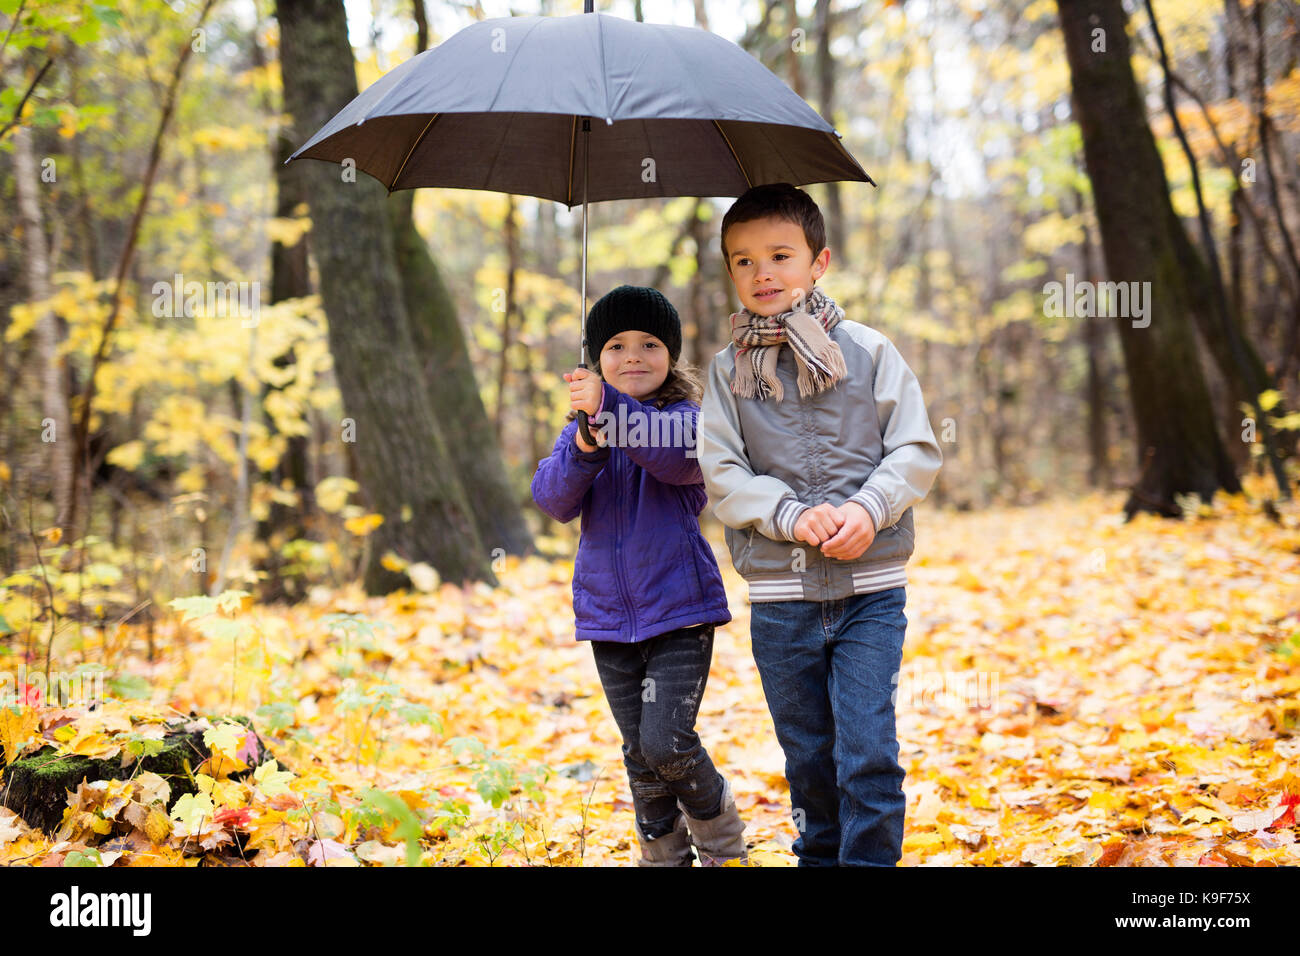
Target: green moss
[[42, 766]]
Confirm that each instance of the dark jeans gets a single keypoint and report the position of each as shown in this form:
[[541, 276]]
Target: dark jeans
[[654, 689], [829, 672]]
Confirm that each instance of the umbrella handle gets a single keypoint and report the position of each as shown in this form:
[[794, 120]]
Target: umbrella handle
[[586, 432], [582, 422]]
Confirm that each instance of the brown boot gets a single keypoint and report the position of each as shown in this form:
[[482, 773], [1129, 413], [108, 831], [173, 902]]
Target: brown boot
[[722, 838], [672, 849]]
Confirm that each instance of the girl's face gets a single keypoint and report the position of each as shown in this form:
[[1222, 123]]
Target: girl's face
[[635, 363]]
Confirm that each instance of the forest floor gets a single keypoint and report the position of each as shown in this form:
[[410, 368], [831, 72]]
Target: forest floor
[[1076, 690]]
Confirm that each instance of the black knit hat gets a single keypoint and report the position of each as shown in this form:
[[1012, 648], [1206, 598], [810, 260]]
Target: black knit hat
[[631, 308]]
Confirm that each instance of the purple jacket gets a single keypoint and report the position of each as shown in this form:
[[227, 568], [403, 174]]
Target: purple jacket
[[643, 567]]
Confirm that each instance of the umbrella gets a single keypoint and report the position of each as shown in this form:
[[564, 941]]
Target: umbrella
[[500, 106]]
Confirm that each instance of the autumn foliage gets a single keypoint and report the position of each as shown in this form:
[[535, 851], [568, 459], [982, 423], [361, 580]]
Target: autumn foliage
[[1076, 691]]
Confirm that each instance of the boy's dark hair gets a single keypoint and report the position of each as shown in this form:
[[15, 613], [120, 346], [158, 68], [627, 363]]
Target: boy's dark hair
[[683, 384], [783, 201]]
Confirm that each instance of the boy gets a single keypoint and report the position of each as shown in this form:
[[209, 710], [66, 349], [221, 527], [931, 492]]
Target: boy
[[815, 443]]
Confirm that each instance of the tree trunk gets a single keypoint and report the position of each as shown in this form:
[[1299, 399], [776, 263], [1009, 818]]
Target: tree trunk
[[58, 433], [1179, 450], [443, 357], [404, 468], [791, 51], [1098, 445], [511, 230], [1238, 362], [826, 82], [289, 280]]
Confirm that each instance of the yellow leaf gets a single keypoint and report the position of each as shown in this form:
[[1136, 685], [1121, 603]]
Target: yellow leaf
[[151, 788], [95, 745], [19, 732], [1257, 820], [1201, 815], [332, 493], [271, 780], [287, 232], [157, 825], [362, 525], [922, 841], [1106, 800], [11, 826], [424, 577], [127, 455]]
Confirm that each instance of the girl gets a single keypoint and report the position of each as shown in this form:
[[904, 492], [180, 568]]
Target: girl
[[647, 591]]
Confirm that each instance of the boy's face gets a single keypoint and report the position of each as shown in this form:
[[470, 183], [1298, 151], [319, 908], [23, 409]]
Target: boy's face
[[771, 264], [635, 363]]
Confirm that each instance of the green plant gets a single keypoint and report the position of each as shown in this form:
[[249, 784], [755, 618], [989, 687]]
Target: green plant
[[388, 807], [215, 619], [352, 627]]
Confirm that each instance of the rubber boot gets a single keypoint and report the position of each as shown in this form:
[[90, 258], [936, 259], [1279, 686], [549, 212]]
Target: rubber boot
[[672, 849], [722, 838]]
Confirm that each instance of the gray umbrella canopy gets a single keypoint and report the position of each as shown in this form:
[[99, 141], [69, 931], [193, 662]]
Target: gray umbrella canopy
[[675, 111]]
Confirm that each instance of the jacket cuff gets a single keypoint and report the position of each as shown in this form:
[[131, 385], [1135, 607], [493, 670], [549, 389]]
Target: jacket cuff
[[608, 396], [873, 500], [788, 512]]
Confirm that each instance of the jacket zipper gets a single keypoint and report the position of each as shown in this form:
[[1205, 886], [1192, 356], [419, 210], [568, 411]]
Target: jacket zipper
[[619, 576], [815, 473]]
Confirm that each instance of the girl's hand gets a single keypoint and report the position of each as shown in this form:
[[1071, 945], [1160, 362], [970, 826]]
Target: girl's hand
[[583, 446], [584, 390]]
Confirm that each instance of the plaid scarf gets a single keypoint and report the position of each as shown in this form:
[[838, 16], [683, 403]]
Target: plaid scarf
[[759, 339]]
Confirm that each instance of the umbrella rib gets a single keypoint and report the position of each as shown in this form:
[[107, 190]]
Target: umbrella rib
[[739, 164], [519, 45], [718, 127], [604, 75], [412, 150], [568, 183]]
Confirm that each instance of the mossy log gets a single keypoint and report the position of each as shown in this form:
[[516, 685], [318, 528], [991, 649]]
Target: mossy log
[[37, 786]]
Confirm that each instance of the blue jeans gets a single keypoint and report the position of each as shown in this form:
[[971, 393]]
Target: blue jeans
[[829, 672], [654, 689]]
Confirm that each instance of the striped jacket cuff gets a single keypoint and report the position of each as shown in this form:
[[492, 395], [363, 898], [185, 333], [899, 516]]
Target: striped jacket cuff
[[787, 514], [879, 577], [873, 499], [775, 587]]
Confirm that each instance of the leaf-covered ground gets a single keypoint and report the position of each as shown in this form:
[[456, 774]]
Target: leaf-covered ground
[[1076, 690]]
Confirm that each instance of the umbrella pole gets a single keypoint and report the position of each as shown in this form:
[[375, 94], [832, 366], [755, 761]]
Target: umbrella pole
[[582, 341], [586, 130]]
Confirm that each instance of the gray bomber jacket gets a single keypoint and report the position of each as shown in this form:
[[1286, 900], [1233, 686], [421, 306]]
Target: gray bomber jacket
[[867, 440]]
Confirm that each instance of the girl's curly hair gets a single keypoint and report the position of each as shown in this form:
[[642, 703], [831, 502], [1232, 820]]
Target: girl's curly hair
[[683, 384]]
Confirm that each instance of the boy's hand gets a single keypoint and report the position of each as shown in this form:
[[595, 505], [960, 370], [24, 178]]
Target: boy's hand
[[818, 524], [855, 534], [584, 390]]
